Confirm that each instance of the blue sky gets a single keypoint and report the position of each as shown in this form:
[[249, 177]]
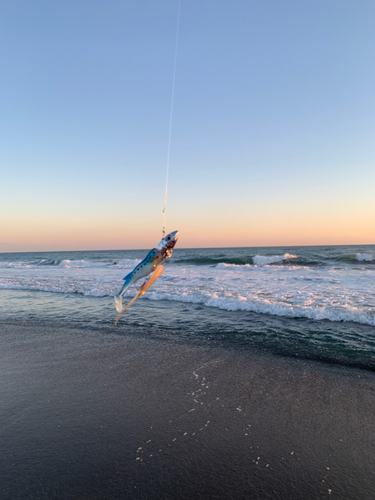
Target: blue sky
[[273, 126]]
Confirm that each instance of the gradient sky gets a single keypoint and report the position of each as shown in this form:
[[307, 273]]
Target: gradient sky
[[273, 139]]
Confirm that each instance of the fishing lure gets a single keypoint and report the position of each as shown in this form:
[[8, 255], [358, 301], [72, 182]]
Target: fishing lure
[[152, 263]]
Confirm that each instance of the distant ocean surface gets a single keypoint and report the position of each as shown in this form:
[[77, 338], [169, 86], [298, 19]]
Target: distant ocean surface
[[309, 302]]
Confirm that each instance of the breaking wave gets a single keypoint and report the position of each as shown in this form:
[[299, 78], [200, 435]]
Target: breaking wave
[[265, 307], [260, 260], [264, 260], [257, 260], [329, 312], [210, 261], [365, 257], [357, 257]]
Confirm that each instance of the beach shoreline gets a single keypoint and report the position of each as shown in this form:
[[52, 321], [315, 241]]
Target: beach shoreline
[[100, 415]]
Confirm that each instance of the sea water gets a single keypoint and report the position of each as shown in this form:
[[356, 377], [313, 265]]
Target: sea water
[[307, 302]]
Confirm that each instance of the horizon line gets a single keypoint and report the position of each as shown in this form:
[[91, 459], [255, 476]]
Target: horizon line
[[190, 248]]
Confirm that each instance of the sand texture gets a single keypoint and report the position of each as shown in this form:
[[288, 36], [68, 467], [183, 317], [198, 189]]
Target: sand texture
[[88, 415]]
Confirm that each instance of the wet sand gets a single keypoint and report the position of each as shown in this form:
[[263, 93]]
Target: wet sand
[[91, 415]]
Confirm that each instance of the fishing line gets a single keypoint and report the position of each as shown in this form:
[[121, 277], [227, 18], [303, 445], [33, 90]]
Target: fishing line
[[171, 119]]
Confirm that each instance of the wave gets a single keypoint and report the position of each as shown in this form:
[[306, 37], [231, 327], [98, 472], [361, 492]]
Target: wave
[[354, 258], [263, 260], [365, 257], [257, 260], [219, 261], [263, 305], [273, 281], [51, 289], [210, 261], [68, 264], [295, 311], [17, 265]]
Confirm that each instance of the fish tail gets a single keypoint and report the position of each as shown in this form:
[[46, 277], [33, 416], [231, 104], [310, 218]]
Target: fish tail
[[118, 303], [118, 297]]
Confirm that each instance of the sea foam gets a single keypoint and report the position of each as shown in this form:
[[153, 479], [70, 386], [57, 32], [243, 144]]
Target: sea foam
[[263, 260], [365, 257]]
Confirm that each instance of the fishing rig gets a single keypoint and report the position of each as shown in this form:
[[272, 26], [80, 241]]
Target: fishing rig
[[153, 262]]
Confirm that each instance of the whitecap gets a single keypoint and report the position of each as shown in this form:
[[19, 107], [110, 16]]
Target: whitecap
[[263, 260], [365, 257]]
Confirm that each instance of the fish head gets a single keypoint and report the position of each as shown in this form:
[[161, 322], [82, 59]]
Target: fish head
[[169, 241]]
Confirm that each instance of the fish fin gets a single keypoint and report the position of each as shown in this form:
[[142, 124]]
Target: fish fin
[[125, 286], [128, 305]]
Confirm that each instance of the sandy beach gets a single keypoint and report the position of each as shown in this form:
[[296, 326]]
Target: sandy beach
[[92, 415]]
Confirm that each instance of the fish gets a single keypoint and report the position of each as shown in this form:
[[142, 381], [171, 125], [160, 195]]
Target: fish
[[153, 262]]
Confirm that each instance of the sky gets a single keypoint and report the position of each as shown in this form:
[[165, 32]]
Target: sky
[[273, 132]]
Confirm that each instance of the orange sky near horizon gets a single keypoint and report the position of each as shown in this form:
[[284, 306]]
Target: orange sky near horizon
[[271, 229]]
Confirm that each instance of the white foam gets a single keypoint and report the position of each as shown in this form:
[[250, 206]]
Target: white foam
[[241, 304], [263, 260], [365, 257], [69, 264], [228, 267], [127, 263], [16, 265], [259, 260]]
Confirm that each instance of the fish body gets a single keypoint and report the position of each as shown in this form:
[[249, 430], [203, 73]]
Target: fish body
[[156, 257]]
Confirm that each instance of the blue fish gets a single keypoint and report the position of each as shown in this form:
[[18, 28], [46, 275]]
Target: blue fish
[[155, 258]]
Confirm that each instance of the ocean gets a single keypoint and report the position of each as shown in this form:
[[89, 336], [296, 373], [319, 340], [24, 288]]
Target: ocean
[[315, 302]]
